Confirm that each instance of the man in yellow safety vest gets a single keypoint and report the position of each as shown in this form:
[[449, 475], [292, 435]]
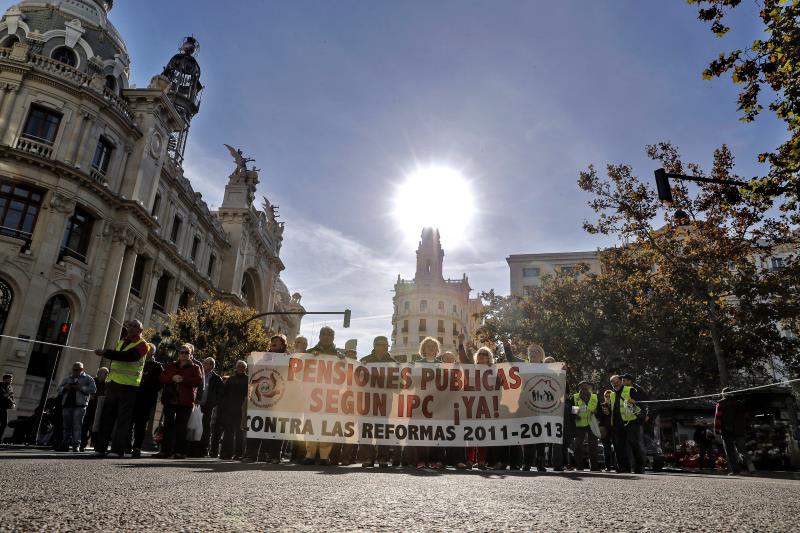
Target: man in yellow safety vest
[[584, 406], [127, 364], [624, 412]]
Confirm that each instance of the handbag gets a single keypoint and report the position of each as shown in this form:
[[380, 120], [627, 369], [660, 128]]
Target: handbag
[[194, 428]]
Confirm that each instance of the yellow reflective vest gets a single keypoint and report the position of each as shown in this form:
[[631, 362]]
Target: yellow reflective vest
[[585, 411], [627, 410], [127, 372]]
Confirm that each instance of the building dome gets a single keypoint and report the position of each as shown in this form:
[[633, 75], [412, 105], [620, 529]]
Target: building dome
[[77, 33]]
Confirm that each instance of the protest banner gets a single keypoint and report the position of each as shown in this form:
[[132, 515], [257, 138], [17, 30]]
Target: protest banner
[[328, 399]]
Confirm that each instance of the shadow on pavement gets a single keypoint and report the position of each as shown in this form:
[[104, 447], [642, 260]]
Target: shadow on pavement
[[223, 466]]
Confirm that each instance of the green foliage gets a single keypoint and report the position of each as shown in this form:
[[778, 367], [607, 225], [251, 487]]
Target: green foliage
[[685, 305], [771, 63], [213, 327]]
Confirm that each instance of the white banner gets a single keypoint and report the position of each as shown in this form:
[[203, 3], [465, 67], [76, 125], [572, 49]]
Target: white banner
[[327, 399]]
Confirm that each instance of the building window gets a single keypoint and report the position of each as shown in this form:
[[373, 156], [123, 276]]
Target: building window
[[102, 155], [776, 263], [111, 83], [211, 260], [160, 298], [455, 329], [19, 208], [529, 290], [423, 305], [42, 125], [567, 269], [77, 235], [405, 341], [406, 306], [11, 41], [177, 222], [423, 326], [441, 340], [138, 276], [441, 307], [62, 54], [455, 309], [156, 205], [185, 299], [195, 247], [531, 272], [440, 326], [405, 326]]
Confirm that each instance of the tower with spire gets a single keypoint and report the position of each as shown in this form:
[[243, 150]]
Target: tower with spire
[[431, 305]]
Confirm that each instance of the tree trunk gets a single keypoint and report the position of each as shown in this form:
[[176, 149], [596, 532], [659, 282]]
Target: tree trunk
[[722, 365]]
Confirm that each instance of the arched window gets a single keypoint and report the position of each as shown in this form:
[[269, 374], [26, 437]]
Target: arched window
[[249, 291], [6, 297], [43, 356], [111, 83], [10, 41], [62, 54]]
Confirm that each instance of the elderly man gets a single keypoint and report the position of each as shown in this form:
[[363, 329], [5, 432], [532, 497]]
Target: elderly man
[[584, 406], [209, 400], [231, 410], [325, 346], [382, 453], [124, 377], [146, 399], [75, 391]]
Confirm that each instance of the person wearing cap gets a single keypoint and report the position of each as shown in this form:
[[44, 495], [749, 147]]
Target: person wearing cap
[[583, 407], [624, 412], [74, 390], [124, 377], [381, 454], [146, 399]]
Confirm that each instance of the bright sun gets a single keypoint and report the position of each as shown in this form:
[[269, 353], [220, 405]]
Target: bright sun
[[435, 196]]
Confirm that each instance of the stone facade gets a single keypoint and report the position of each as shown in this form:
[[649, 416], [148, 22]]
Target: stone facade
[[98, 222], [430, 305]]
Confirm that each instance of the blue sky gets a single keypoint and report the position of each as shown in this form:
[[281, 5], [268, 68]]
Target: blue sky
[[337, 100]]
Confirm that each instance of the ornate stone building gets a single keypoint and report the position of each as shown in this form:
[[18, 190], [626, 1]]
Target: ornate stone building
[[98, 222], [430, 305]]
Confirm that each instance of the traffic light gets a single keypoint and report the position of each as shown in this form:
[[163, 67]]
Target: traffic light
[[63, 332], [662, 185], [346, 319]]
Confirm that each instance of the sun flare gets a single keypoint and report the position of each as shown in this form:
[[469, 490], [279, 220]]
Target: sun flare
[[436, 196]]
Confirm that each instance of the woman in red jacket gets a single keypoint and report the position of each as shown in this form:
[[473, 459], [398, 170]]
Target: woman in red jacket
[[181, 379]]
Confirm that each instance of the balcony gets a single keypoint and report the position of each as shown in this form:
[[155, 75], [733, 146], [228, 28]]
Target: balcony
[[98, 176], [35, 146], [69, 252]]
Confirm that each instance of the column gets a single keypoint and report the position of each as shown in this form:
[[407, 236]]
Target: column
[[5, 113], [71, 151], [80, 150], [122, 295], [108, 289], [148, 295]]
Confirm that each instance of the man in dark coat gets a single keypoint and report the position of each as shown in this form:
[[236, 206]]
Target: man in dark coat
[[146, 399], [234, 394], [210, 398], [368, 455]]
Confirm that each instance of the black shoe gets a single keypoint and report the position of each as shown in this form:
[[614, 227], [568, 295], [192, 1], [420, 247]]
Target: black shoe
[[541, 469], [99, 455], [308, 462], [136, 453], [161, 455], [324, 462], [526, 468]]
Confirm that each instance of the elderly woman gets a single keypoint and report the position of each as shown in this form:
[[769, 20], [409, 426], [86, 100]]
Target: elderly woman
[[181, 379], [429, 354]]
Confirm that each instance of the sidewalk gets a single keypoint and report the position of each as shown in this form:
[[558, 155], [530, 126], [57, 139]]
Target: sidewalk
[[768, 474]]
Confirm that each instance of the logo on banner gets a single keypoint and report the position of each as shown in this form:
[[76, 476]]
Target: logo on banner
[[542, 393], [268, 387]]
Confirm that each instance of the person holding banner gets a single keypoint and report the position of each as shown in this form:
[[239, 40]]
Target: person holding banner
[[325, 346], [368, 455], [429, 354], [234, 394], [479, 454], [583, 407], [298, 453], [268, 450]]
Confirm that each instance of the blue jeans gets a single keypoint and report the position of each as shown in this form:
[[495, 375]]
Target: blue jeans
[[73, 423]]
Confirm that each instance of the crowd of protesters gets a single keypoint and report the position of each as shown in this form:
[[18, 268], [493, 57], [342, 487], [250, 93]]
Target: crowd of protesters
[[203, 413]]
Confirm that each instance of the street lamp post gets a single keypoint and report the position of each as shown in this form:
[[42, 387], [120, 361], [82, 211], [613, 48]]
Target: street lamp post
[[665, 191]]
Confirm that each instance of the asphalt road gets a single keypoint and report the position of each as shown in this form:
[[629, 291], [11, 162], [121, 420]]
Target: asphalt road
[[63, 492]]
